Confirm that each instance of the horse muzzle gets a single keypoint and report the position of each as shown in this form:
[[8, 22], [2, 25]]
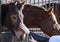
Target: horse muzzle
[[20, 35]]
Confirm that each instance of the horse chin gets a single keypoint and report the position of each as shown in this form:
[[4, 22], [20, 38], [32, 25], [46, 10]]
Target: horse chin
[[20, 35]]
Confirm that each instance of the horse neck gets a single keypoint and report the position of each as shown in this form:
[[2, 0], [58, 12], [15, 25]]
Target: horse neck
[[55, 25]]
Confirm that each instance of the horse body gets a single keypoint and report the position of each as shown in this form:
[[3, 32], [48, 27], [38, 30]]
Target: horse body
[[37, 17]]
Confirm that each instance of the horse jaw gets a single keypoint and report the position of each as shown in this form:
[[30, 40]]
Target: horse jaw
[[56, 26]]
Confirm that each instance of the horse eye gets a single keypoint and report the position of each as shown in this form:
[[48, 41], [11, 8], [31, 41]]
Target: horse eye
[[13, 17]]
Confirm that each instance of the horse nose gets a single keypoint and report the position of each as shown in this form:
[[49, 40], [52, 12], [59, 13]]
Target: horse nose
[[21, 38]]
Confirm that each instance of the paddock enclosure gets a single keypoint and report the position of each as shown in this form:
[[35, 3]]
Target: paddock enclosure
[[5, 34]]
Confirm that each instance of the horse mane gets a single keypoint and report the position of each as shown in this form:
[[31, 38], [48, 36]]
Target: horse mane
[[4, 10], [41, 10], [32, 7], [54, 19]]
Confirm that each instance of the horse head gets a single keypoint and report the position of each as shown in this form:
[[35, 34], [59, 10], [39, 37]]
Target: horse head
[[53, 19], [12, 17]]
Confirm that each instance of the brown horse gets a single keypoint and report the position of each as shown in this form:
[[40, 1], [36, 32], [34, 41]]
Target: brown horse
[[38, 17], [56, 7]]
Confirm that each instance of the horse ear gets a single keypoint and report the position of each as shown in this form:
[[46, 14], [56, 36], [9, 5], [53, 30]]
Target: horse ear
[[16, 2], [50, 10], [23, 3]]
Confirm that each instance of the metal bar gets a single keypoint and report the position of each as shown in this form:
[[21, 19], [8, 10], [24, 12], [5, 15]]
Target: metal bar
[[38, 3], [49, 3], [26, 1], [58, 1], [5, 1], [30, 1], [42, 2], [34, 2], [45, 5]]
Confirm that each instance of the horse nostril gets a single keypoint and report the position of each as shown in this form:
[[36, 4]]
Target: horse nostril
[[21, 37]]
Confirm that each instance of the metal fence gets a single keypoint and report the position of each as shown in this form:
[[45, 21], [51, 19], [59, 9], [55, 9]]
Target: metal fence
[[41, 2], [6, 36]]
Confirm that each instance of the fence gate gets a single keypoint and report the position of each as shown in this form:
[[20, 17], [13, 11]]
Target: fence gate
[[6, 36]]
